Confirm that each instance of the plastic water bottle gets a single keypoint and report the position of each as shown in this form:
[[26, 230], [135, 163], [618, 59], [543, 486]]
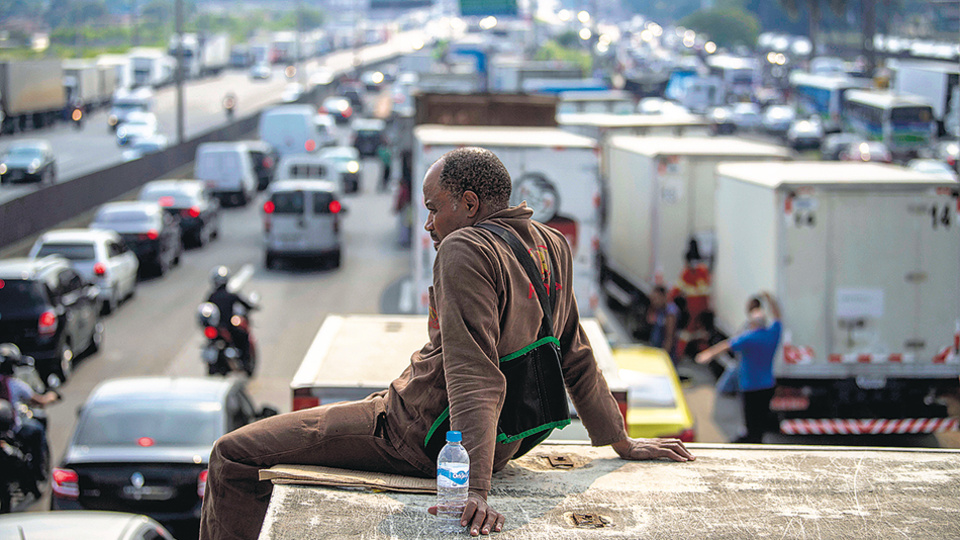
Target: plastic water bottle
[[453, 481]]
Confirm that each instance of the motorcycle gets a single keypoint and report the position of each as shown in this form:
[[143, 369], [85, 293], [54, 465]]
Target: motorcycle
[[18, 476], [220, 353], [230, 105], [76, 117]]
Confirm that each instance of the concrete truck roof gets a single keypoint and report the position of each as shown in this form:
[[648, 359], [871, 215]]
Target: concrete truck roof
[[730, 491], [697, 146], [610, 120], [836, 174], [499, 136]]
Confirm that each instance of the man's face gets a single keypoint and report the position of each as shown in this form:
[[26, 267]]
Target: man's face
[[446, 212]]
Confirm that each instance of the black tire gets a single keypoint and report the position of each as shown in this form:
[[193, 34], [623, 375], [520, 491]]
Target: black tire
[[96, 340], [64, 367]]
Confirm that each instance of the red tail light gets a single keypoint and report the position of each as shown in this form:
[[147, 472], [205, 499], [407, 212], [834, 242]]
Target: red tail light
[[65, 484], [202, 483], [305, 402], [145, 442], [269, 207], [99, 269], [335, 207], [153, 234], [347, 112], [194, 212], [2, 283], [322, 110], [310, 145], [211, 332], [267, 163], [47, 325]]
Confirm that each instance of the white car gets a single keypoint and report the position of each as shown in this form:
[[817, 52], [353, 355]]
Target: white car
[[805, 134], [745, 115], [261, 72], [138, 125], [347, 165], [932, 166], [291, 93], [778, 118], [100, 256]]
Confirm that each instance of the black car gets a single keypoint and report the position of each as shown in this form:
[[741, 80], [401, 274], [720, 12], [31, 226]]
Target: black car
[[49, 311], [369, 136], [338, 107], [355, 92], [189, 202], [264, 158], [28, 161], [151, 233], [142, 445]]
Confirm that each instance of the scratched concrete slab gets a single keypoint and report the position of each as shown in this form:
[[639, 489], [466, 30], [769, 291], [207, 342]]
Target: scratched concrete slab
[[730, 491]]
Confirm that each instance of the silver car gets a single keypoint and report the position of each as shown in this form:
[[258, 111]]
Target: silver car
[[301, 219]]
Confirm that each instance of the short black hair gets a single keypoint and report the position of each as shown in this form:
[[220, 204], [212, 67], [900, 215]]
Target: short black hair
[[478, 170], [754, 303], [660, 289]]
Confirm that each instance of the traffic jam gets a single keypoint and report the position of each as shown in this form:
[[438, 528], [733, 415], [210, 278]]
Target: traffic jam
[[764, 231]]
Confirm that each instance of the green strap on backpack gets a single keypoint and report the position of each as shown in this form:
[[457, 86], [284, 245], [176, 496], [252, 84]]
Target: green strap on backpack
[[536, 400]]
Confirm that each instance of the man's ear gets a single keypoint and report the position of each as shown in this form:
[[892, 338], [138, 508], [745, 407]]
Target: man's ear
[[471, 202]]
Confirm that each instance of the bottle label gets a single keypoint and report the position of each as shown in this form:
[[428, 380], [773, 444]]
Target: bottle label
[[453, 475]]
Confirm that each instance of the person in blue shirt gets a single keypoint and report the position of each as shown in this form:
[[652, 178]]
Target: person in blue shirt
[[757, 346]]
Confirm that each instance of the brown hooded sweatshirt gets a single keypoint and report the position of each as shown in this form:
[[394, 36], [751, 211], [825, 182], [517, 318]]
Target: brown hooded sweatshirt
[[482, 308]]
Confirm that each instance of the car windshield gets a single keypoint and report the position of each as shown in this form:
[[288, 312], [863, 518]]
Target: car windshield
[[84, 251], [19, 293], [166, 424], [648, 390], [169, 197], [25, 152], [122, 216]]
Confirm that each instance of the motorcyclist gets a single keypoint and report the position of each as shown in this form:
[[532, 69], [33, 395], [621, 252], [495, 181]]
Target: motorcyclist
[[28, 431], [230, 103], [225, 302]]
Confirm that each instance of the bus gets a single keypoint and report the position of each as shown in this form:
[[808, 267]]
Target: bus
[[822, 96], [903, 122], [740, 75]]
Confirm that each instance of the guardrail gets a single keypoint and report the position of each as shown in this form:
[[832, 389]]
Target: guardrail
[[46, 207]]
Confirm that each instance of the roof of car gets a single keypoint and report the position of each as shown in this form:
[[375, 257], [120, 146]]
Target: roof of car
[[369, 124], [144, 206], [70, 524], [132, 389], [185, 184], [25, 268], [338, 151], [28, 142], [302, 185], [78, 235]]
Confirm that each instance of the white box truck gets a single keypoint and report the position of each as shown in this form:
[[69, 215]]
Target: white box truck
[[555, 172], [939, 83], [601, 125], [80, 83], [151, 67], [660, 196], [865, 261]]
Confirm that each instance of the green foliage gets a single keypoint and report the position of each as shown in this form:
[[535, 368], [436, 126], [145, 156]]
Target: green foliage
[[553, 50], [726, 27], [569, 39]]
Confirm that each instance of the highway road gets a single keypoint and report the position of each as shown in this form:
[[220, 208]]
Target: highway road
[[94, 147]]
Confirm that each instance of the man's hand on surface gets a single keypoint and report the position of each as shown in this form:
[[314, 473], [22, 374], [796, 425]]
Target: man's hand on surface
[[641, 449], [481, 518]]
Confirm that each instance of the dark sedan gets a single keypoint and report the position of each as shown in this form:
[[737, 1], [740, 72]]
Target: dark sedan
[[142, 445], [188, 201], [264, 158], [28, 161], [148, 231]]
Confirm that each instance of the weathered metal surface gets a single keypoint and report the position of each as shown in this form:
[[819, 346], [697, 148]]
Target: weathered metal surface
[[728, 492]]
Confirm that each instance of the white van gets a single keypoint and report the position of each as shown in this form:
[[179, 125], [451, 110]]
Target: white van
[[304, 167], [294, 129], [301, 218], [227, 171]]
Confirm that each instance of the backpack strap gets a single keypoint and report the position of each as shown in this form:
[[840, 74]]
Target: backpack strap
[[536, 278]]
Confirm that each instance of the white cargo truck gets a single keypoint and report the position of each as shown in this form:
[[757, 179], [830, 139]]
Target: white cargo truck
[[555, 172], [151, 67], [80, 83], [937, 82], [660, 196], [354, 356], [601, 125], [865, 261]]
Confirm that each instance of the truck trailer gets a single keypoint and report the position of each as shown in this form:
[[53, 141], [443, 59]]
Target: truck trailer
[[81, 84], [555, 172], [31, 94], [353, 356], [151, 67], [864, 259], [938, 83], [659, 194]]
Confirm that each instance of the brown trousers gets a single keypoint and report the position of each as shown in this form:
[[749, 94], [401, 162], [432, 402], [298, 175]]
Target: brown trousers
[[350, 435]]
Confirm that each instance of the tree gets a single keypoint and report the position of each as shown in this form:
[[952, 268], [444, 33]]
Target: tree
[[726, 27], [814, 7]]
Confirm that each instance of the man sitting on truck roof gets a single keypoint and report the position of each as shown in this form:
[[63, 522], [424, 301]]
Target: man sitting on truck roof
[[481, 310]]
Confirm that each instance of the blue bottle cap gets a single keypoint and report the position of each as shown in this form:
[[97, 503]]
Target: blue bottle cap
[[454, 436]]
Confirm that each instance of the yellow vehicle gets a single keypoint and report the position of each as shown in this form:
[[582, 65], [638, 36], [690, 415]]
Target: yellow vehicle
[[656, 406]]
